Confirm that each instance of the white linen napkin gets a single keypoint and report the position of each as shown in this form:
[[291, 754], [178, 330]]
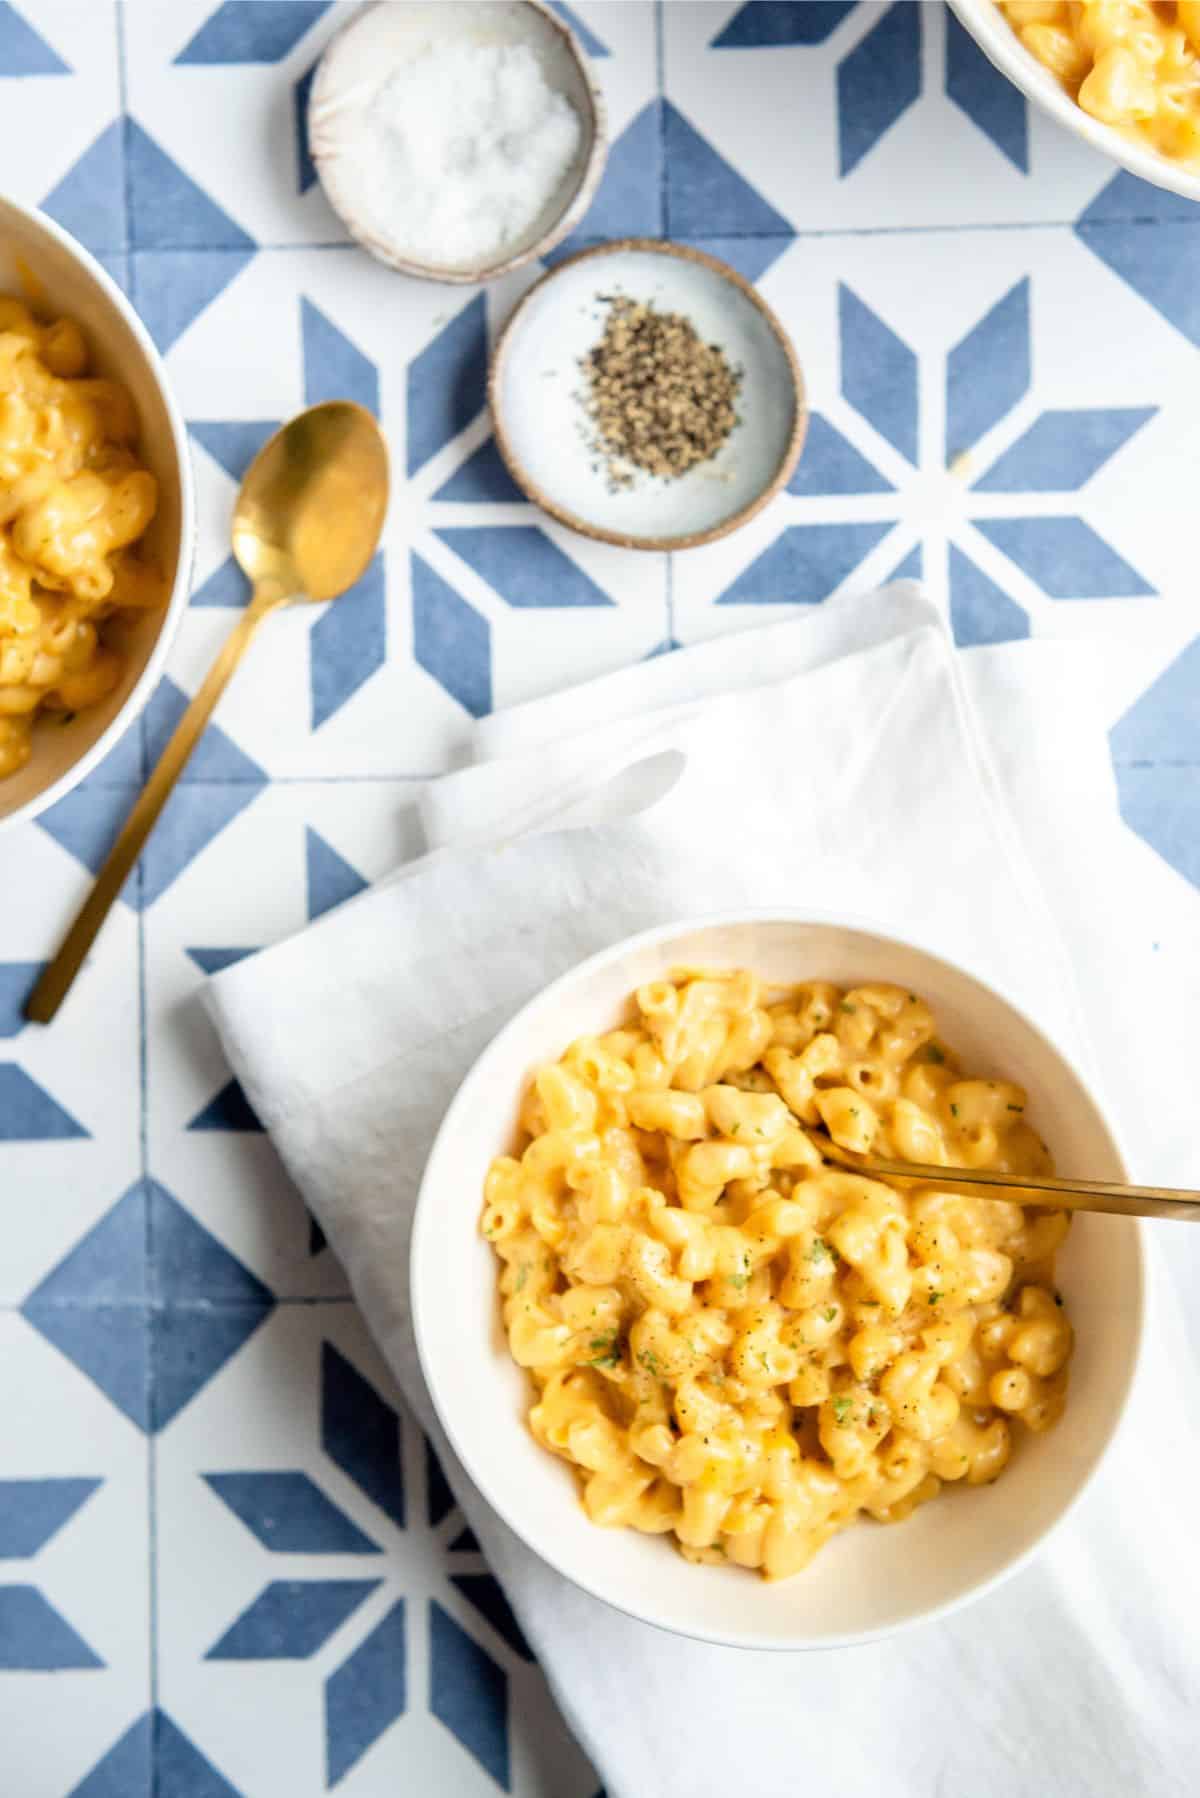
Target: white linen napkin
[[836, 761]]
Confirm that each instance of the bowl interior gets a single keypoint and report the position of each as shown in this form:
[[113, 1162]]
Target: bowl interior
[[539, 397], [40, 268], [383, 36], [872, 1579]]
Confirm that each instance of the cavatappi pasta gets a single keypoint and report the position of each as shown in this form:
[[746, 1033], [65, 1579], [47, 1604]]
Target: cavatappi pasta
[[1133, 64], [733, 1342], [73, 499]]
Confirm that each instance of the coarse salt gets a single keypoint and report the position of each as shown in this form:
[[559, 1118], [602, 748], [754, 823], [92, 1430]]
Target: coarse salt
[[461, 150]]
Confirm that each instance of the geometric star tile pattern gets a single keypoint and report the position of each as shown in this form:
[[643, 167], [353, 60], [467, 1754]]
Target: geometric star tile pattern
[[954, 276]]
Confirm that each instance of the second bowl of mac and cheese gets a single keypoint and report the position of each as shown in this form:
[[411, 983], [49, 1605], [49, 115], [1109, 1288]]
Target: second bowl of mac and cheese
[[1123, 75], [677, 1352], [95, 513]]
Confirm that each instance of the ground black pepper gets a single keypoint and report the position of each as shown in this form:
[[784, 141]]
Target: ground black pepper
[[659, 397]]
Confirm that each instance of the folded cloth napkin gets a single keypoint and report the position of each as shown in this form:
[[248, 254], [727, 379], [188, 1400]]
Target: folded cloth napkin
[[849, 760]]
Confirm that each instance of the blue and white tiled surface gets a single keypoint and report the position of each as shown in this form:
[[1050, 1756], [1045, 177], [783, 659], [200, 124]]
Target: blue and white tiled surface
[[228, 1563]]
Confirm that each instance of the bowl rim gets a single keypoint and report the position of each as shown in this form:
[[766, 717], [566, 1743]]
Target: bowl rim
[[172, 612], [572, 213], [492, 1057], [1004, 49], [680, 252]]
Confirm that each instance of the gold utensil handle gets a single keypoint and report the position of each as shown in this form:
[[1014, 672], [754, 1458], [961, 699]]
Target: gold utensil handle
[[59, 976], [1063, 1194]]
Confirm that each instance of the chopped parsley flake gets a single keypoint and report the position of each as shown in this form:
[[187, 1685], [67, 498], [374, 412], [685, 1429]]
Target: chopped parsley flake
[[933, 1053], [1014, 1108], [846, 1006], [651, 1363], [522, 1276], [734, 1128], [738, 1280], [842, 1408], [829, 1313], [610, 1352], [954, 1111], [936, 1297], [819, 1250]]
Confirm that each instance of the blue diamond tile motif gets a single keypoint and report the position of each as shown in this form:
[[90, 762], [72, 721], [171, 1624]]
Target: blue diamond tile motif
[[31, 1511], [229, 1110], [878, 81], [168, 210], [360, 1432], [1163, 725], [86, 824], [89, 201], [980, 611], [1162, 806], [1127, 199], [180, 1768], [170, 291], [216, 758], [1159, 265], [188, 1264], [211, 961], [225, 586], [233, 443], [191, 1343], [334, 367], [770, 24], [107, 1267], [291, 1619], [831, 464], [879, 373], [29, 1114], [366, 1695], [440, 1499], [289, 1514], [262, 31], [331, 879], [705, 194], [469, 1693], [447, 384], [17, 980], [108, 1343], [485, 1593], [989, 99], [1065, 557], [451, 641], [524, 566], [629, 199], [23, 51], [1062, 450], [587, 37], [35, 1638], [127, 1768], [988, 372], [750, 256], [482, 477], [306, 168], [348, 644], [804, 564]]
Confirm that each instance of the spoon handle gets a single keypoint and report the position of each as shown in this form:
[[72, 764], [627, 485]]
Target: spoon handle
[[1055, 1190], [58, 977]]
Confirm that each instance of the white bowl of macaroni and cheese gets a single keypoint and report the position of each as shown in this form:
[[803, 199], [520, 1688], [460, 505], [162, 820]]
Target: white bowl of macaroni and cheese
[[96, 524], [726, 1386], [1124, 75]]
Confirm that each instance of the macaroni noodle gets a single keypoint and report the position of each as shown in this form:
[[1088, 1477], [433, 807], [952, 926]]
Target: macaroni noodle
[[73, 498], [734, 1343], [1134, 64]]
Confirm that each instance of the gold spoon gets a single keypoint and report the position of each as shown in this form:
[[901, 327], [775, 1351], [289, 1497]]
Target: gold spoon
[[1063, 1194], [305, 526]]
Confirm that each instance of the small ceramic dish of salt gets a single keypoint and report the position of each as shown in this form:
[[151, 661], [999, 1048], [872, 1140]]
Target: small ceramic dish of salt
[[643, 393], [457, 141]]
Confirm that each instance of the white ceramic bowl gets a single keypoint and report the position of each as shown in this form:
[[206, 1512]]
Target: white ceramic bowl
[[871, 1580], [1000, 43], [382, 35], [538, 393], [42, 263]]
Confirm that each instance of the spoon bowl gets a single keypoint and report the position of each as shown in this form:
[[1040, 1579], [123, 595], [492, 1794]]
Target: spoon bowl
[[306, 524]]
